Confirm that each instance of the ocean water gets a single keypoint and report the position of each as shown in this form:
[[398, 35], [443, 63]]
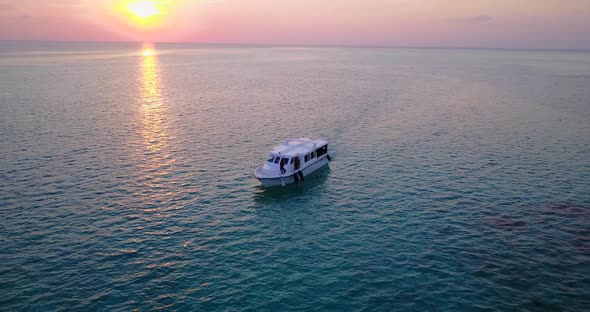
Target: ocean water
[[461, 179]]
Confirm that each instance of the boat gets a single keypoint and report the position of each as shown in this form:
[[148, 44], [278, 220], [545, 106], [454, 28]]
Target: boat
[[291, 161]]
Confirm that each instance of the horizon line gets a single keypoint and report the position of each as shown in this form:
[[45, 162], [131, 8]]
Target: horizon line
[[425, 47]]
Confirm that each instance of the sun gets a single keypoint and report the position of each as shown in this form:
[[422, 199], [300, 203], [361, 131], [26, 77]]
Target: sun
[[142, 17], [144, 9]]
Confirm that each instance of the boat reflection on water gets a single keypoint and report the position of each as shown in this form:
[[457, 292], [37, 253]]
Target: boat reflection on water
[[314, 183]]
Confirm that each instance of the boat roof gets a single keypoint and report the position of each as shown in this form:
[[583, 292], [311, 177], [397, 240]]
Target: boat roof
[[295, 147]]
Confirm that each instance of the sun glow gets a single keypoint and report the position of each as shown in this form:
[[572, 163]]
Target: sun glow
[[144, 9], [143, 14]]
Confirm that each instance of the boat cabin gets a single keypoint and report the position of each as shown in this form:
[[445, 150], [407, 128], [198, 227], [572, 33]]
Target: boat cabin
[[292, 160], [296, 154]]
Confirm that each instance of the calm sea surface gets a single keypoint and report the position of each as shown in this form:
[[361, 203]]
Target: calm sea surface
[[461, 179]]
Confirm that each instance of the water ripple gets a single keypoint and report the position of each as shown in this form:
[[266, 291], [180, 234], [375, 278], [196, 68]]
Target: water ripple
[[127, 183]]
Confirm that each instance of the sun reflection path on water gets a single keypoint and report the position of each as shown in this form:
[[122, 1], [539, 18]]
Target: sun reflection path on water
[[154, 127], [147, 52]]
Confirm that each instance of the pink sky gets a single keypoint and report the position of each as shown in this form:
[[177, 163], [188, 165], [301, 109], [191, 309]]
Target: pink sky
[[554, 24]]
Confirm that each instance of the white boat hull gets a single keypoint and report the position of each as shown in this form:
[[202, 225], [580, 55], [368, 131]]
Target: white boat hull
[[288, 177]]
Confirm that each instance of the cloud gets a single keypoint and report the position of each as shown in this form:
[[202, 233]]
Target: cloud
[[35, 19], [482, 18], [6, 7]]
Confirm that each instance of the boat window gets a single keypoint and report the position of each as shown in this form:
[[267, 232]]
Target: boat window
[[277, 160], [291, 162], [271, 159], [307, 158], [322, 150], [312, 154]]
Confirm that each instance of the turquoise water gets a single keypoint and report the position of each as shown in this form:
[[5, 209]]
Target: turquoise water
[[461, 180]]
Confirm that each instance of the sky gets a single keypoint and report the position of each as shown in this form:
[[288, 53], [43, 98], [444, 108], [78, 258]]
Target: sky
[[518, 24]]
